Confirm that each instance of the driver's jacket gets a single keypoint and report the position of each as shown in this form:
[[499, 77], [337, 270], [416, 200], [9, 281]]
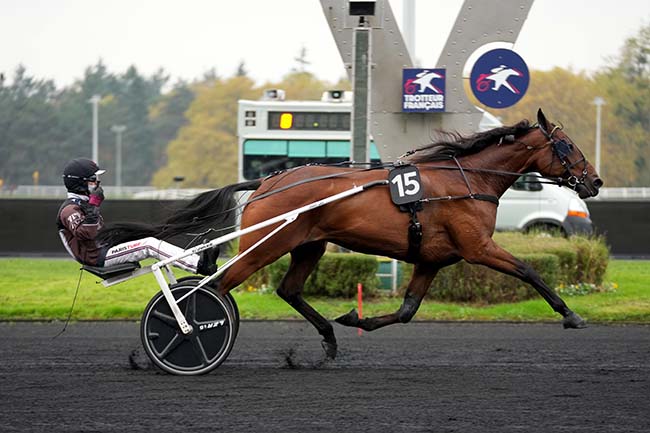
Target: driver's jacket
[[78, 223]]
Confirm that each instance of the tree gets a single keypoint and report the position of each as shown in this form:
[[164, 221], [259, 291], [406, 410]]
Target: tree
[[27, 120], [626, 89], [167, 117], [134, 95], [241, 70], [72, 135], [301, 86], [205, 150], [634, 60]]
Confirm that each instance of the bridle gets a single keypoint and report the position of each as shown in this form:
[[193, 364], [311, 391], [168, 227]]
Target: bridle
[[561, 149]]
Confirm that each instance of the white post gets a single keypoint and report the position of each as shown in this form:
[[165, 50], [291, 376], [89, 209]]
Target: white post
[[118, 130], [95, 101], [393, 271], [599, 102]]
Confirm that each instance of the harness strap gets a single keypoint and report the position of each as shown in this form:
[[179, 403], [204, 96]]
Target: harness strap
[[414, 230], [462, 172], [484, 197], [415, 239]]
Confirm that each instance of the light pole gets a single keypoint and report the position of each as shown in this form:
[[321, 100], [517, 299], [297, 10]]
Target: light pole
[[95, 101], [599, 102], [361, 50], [118, 130], [408, 25]]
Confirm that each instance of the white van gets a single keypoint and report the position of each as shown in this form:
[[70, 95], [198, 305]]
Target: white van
[[542, 207]]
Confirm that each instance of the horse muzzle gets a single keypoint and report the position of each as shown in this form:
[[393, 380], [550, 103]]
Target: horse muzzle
[[589, 188]]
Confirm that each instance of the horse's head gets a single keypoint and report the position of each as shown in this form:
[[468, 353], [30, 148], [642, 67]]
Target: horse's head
[[560, 158]]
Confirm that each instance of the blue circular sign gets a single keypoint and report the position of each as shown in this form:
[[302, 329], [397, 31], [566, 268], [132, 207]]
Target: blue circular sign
[[499, 78]]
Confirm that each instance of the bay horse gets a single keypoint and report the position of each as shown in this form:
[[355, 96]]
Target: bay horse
[[464, 176]]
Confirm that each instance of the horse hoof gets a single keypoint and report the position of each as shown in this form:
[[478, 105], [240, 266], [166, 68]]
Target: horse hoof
[[350, 319], [329, 348], [573, 321]]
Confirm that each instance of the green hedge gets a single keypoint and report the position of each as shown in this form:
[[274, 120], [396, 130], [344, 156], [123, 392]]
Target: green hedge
[[463, 282], [582, 260], [335, 275], [559, 261]]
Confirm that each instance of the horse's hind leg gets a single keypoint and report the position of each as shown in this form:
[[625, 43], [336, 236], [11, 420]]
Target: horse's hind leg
[[423, 274], [303, 260]]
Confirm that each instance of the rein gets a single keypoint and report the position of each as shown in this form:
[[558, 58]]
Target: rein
[[471, 195], [552, 181]]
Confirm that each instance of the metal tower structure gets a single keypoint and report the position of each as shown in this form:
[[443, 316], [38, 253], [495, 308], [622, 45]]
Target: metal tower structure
[[479, 22]]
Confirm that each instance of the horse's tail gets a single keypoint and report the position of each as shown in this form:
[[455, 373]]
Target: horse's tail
[[215, 208]]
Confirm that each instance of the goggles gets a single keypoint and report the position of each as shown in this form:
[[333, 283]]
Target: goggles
[[93, 178]]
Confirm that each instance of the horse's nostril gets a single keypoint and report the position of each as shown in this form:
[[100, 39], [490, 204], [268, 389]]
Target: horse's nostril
[[598, 183]]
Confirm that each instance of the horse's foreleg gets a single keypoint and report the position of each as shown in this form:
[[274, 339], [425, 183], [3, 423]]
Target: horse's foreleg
[[303, 261], [423, 274], [495, 257]]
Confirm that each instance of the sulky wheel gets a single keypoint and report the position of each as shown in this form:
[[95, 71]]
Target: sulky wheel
[[202, 350]]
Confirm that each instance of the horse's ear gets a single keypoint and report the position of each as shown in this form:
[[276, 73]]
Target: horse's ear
[[542, 122]]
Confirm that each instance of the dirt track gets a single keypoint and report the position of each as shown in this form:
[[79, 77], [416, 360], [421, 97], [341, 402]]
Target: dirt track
[[416, 377]]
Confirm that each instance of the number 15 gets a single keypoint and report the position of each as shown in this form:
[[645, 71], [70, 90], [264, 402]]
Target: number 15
[[407, 184]]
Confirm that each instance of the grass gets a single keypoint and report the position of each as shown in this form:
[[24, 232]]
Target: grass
[[43, 289]]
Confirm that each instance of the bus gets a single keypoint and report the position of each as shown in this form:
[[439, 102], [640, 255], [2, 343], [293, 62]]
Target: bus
[[275, 134]]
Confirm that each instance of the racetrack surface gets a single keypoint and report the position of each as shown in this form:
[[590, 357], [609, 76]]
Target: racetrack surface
[[431, 377]]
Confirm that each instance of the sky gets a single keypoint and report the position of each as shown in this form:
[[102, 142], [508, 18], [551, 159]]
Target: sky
[[58, 39]]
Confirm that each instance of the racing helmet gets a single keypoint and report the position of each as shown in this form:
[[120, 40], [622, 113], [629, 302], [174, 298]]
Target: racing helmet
[[78, 172]]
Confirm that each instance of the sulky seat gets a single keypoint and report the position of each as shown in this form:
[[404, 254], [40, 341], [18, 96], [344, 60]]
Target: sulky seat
[[107, 272], [103, 272]]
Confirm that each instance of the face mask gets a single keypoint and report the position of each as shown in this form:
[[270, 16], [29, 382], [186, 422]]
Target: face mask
[[92, 187]]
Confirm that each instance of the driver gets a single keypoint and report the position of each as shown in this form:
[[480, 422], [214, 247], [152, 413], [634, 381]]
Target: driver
[[79, 220]]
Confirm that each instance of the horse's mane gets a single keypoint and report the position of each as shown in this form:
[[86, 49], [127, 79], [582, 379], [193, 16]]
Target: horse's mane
[[453, 144]]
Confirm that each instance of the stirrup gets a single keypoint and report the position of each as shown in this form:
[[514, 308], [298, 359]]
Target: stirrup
[[208, 261]]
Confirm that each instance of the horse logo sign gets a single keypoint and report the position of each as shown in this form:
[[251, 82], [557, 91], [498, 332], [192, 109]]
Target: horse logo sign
[[423, 90], [499, 78]]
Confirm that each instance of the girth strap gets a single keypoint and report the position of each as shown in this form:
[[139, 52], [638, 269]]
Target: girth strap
[[414, 231]]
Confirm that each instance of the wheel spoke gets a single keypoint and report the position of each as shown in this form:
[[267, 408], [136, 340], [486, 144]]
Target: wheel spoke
[[166, 319], [199, 350], [190, 308], [173, 344]]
